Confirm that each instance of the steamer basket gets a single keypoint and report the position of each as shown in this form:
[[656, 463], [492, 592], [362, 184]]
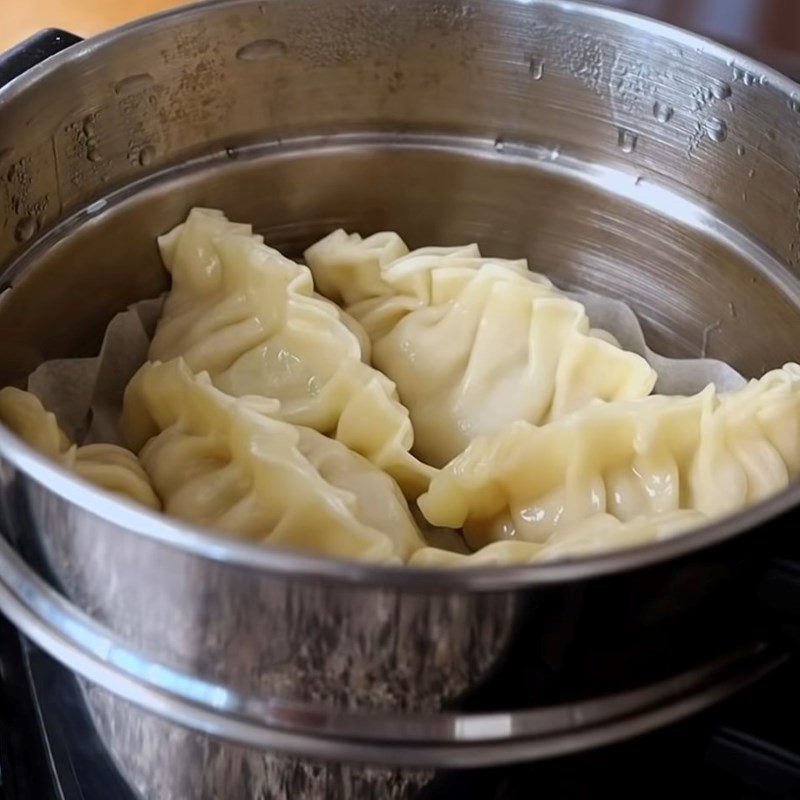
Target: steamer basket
[[617, 154]]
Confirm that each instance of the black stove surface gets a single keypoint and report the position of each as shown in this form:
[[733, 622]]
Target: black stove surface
[[48, 747]]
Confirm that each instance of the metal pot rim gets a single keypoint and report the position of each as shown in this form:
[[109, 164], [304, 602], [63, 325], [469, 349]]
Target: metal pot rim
[[279, 561], [581, 7]]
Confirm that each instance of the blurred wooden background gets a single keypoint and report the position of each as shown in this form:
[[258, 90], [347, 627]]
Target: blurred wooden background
[[20, 18]]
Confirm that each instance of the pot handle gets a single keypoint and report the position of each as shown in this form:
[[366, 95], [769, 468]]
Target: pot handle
[[32, 51]]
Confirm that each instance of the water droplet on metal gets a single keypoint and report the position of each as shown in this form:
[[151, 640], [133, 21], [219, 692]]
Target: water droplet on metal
[[748, 78], [97, 206], [536, 68], [25, 228], [133, 84], [146, 155], [627, 140], [232, 153], [720, 90], [499, 144], [707, 331], [740, 150], [662, 112], [554, 154], [751, 173], [88, 126], [716, 129], [261, 50], [763, 80], [794, 104], [93, 155]]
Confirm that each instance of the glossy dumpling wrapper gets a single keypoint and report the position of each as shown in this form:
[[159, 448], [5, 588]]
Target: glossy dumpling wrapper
[[472, 343], [596, 535], [711, 453], [750, 444], [108, 466], [348, 268], [497, 554], [604, 533], [249, 317], [232, 465]]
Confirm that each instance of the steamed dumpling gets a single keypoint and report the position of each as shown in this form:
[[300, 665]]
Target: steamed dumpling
[[250, 318], [603, 532], [106, 465], [232, 465], [472, 343], [594, 535], [710, 453]]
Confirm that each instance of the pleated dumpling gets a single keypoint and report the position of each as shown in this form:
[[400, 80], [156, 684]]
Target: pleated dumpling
[[594, 535], [249, 317], [106, 465], [709, 453], [472, 343], [232, 465]]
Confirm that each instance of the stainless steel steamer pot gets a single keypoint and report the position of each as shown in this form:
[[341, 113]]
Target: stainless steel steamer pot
[[616, 153]]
